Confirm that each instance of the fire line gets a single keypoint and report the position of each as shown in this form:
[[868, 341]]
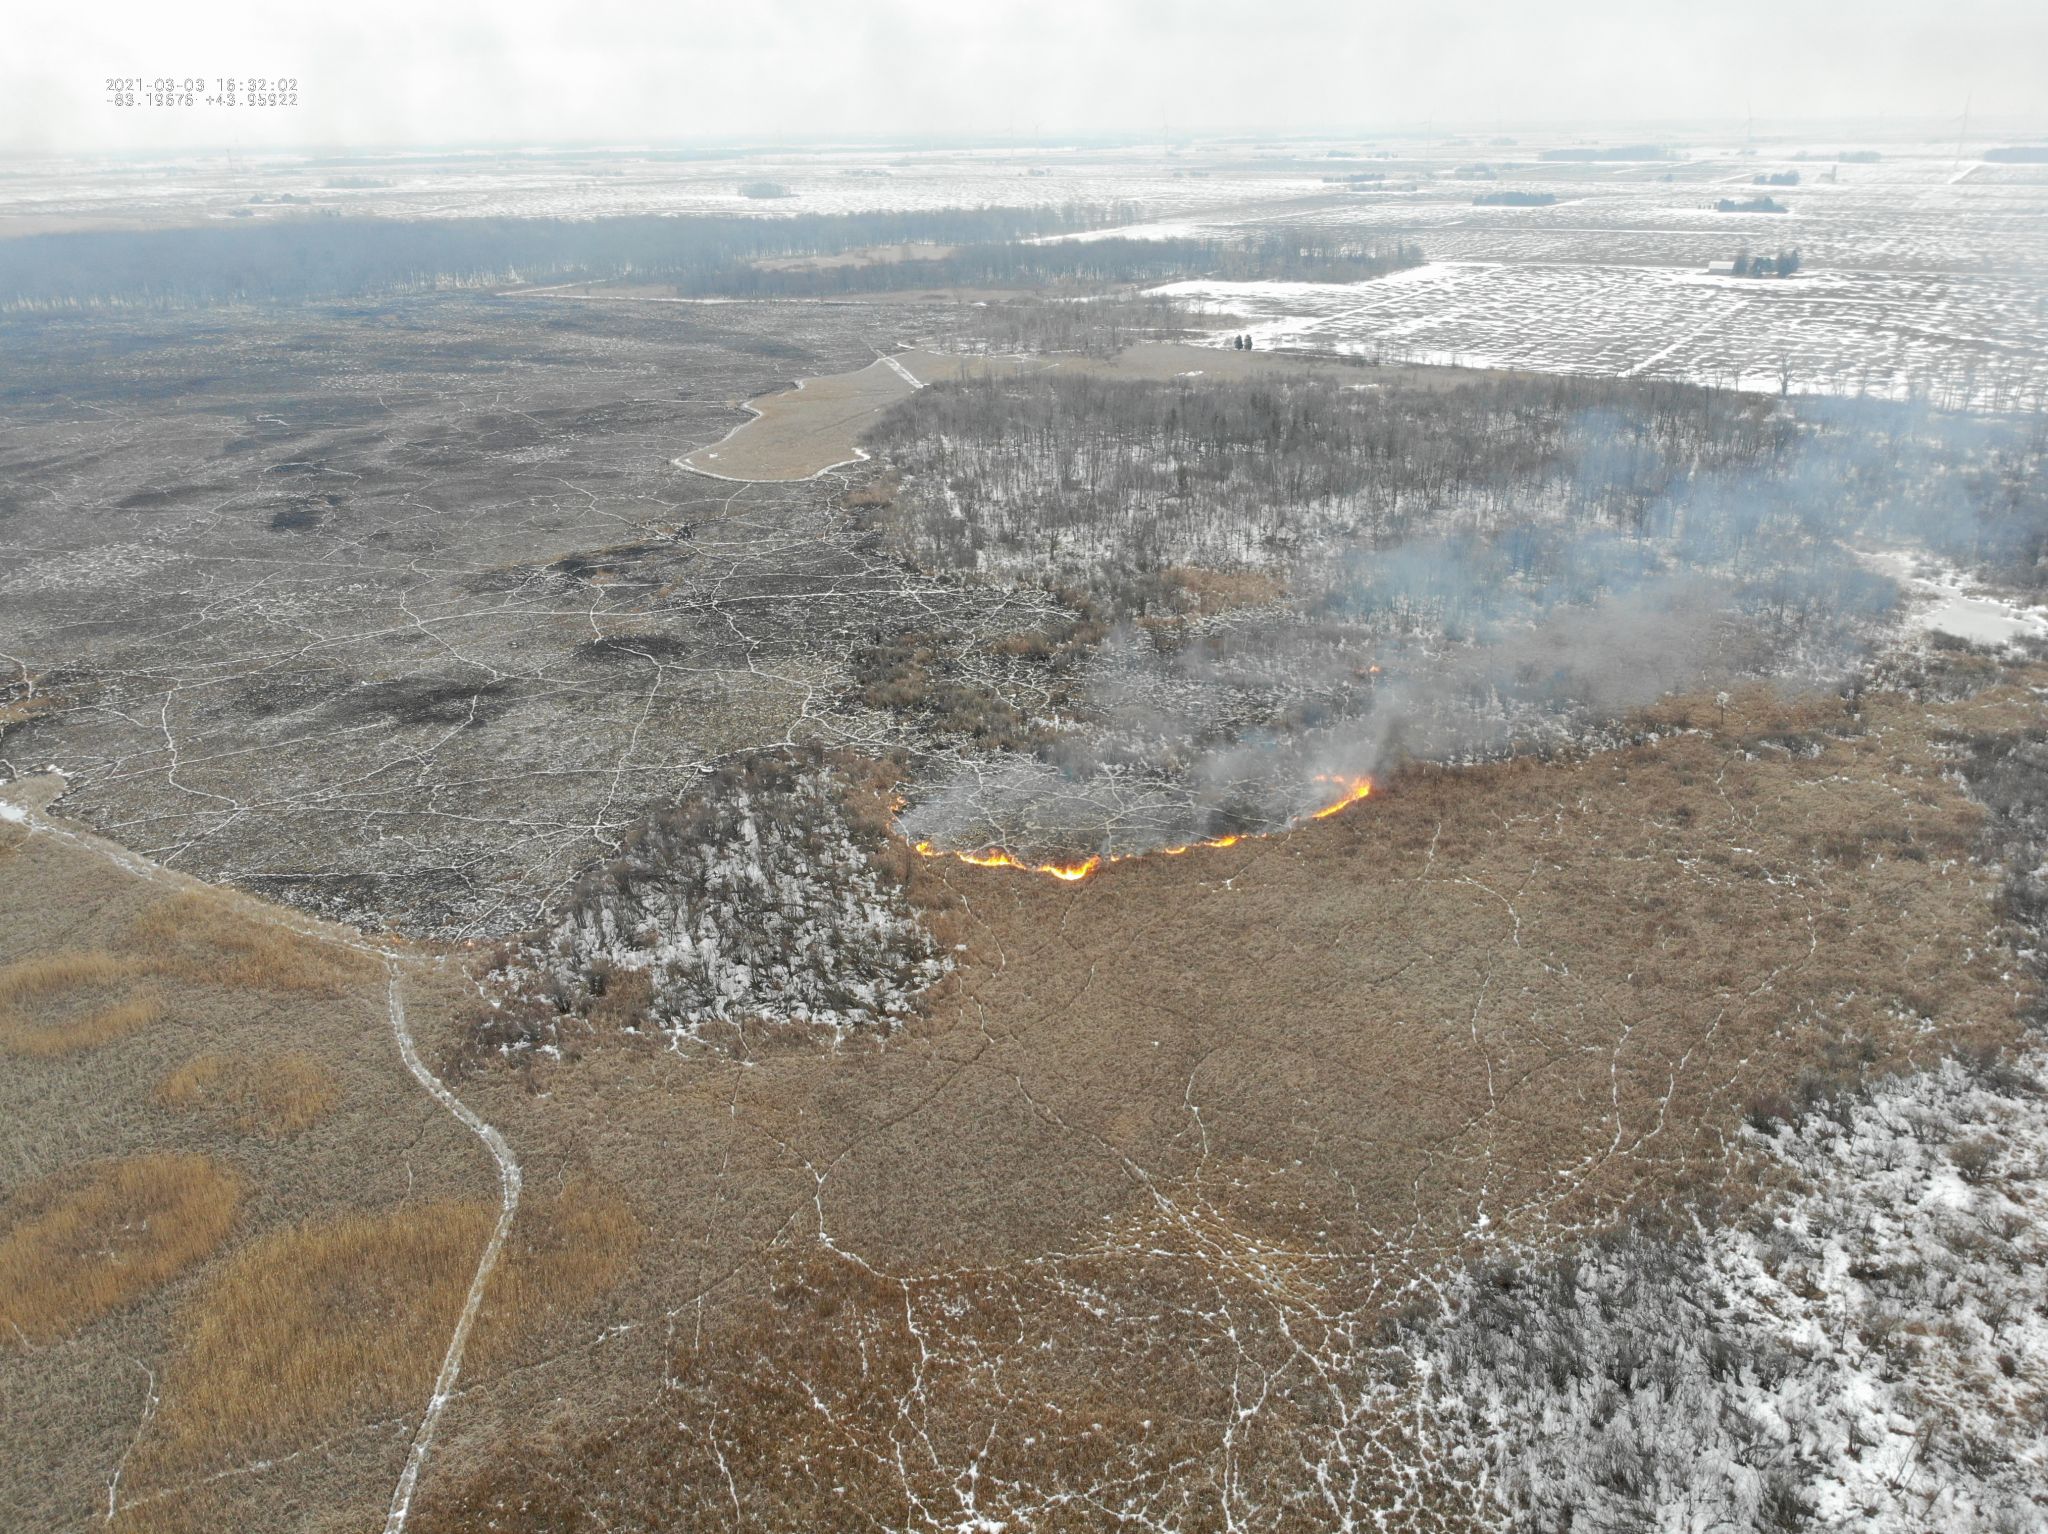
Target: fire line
[[1354, 790]]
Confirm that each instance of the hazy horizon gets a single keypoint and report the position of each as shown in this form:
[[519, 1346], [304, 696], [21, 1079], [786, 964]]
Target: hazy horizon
[[621, 74]]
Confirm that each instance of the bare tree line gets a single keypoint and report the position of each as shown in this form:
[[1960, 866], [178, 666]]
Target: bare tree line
[[328, 256], [1297, 256], [1074, 474]]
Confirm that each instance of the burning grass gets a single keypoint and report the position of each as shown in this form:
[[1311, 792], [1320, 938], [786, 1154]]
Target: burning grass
[[1116, 1234], [1347, 790], [83, 1243], [272, 1096]]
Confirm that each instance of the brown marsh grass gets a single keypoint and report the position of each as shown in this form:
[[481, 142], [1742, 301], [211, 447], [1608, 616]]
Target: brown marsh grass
[[346, 1319], [194, 937], [80, 1244], [340, 1319], [32, 980], [562, 1253], [82, 998]]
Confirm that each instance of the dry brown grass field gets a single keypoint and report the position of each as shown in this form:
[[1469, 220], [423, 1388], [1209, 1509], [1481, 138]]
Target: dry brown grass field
[[191, 1085], [70, 1000], [801, 432], [277, 1096], [568, 1250], [316, 1324], [80, 1244], [79, 999], [201, 938], [325, 1327], [1112, 1232]]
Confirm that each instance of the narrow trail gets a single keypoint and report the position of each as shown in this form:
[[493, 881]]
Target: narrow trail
[[508, 1206], [901, 371], [31, 806]]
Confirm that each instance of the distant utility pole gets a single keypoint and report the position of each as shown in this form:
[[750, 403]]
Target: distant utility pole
[[1964, 131]]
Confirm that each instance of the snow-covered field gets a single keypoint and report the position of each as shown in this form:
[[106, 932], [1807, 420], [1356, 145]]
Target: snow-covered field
[[1945, 600], [599, 185], [1957, 339]]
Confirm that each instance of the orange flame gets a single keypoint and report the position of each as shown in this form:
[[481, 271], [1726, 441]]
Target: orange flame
[[1354, 789], [997, 858]]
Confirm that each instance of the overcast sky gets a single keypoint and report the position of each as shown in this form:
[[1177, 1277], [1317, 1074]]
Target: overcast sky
[[381, 73]]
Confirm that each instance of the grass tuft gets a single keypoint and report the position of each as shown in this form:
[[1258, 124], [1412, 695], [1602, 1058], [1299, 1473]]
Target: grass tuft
[[272, 1097], [78, 1245], [34, 980], [68, 1001]]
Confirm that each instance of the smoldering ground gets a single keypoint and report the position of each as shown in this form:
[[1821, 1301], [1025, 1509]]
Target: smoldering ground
[[1532, 616]]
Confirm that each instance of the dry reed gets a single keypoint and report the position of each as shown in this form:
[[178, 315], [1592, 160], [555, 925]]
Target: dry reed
[[200, 938]]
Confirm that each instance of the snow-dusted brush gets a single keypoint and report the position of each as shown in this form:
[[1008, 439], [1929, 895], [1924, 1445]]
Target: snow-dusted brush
[[771, 898], [1866, 1350]]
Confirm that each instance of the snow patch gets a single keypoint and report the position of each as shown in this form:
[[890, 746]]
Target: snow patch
[[1948, 601]]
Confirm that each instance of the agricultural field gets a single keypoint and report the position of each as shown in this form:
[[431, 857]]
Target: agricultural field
[[1954, 339], [1920, 276], [990, 881]]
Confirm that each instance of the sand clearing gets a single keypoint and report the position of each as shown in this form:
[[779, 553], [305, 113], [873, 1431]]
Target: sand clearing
[[803, 432], [816, 427]]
